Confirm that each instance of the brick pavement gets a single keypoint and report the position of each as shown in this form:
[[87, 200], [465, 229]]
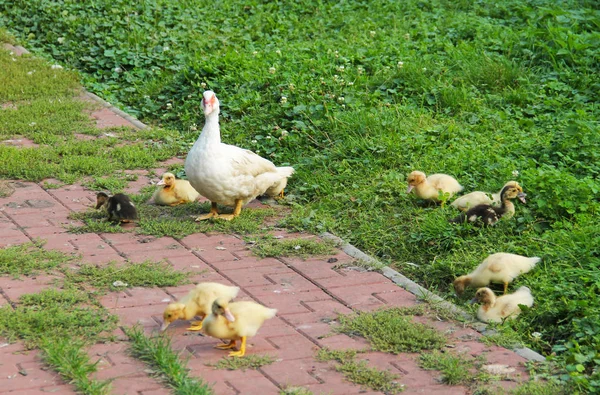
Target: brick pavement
[[308, 294]]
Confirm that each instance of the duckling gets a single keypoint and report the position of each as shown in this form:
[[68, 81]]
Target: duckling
[[172, 192], [236, 321], [198, 302], [494, 309], [473, 199], [429, 188], [488, 214], [118, 206], [501, 267]]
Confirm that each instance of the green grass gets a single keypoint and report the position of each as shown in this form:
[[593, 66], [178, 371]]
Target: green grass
[[391, 330], [68, 358], [145, 274], [157, 353], [359, 372], [268, 246], [29, 259], [372, 91], [253, 361], [454, 369], [177, 222], [69, 313], [295, 391]]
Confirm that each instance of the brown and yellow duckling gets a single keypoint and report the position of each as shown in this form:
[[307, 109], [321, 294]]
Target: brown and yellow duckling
[[119, 207], [487, 214]]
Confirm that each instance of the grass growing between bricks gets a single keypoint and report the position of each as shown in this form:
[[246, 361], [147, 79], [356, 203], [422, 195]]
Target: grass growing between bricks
[[167, 364], [68, 358], [454, 369], [359, 372], [391, 330], [29, 259], [63, 321], [269, 246], [178, 221], [252, 361]]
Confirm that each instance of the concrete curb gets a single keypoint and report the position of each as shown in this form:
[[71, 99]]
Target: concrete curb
[[423, 293]]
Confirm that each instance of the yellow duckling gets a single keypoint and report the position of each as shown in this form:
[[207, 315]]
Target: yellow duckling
[[429, 188], [171, 192], [501, 267], [198, 302], [236, 321], [495, 309], [476, 198]]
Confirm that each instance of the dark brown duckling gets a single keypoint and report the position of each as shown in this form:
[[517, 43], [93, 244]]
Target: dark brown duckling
[[487, 214], [119, 207]]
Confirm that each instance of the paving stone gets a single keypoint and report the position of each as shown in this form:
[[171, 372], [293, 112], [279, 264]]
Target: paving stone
[[289, 303], [18, 238], [258, 276], [136, 296], [292, 373]]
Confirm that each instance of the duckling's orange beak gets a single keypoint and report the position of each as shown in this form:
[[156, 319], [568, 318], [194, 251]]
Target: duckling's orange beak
[[161, 182], [410, 188]]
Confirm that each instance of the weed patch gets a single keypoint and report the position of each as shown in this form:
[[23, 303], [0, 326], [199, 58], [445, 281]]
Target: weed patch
[[68, 358], [360, 373], [69, 313], [253, 361], [454, 369], [268, 246], [157, 353], [145, 274], [390, 330], [29, 259]]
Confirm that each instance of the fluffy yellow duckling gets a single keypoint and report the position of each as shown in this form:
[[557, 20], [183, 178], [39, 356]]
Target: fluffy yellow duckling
[[476, 198], [119, 207], [198, 302], [171, 192], [429, 188], [501, 267], [495, 309], [486, 214], [236, 321]]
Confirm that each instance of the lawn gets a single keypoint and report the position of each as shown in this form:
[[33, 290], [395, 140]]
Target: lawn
[[355, 95]]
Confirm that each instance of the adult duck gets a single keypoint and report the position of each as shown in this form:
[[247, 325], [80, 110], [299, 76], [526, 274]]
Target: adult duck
[[226, 174]]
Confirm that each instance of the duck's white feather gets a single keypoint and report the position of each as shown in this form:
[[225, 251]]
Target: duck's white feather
[[225, 173]]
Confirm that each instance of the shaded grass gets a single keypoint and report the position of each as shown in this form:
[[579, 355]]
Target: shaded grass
[[391, 330], [68, 358], [253, 361], [145, 274], [29, 259], [157, 353], [269, 246], [178, 221], [360, 373]]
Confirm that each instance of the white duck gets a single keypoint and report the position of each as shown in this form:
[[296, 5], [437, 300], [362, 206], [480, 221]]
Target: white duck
[[227, 174], [501, 267], [495, 309]]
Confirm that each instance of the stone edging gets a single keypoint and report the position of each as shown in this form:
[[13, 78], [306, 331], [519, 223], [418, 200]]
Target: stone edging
[[135, 122], [421, 292]]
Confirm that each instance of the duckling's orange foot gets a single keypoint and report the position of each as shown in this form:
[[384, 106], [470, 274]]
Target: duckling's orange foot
[[195, 326], [207, 216], [227, 346], [227, 217], [237, 353]]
